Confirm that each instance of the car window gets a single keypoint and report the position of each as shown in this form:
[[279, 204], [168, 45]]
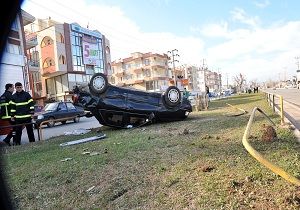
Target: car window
[[51, 107], [70, 106], [62, 106]]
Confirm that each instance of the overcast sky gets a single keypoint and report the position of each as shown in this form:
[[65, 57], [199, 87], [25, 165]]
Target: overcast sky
[[258, 38]]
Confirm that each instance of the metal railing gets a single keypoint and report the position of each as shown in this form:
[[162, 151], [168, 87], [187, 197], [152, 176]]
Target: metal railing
[[259, 157], [40, 133], [271, 100]]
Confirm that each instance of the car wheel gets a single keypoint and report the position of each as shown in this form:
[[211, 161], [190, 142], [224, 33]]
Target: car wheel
[[172, 96], [51, 122], [63, 122], [76, 119], [98, 83]]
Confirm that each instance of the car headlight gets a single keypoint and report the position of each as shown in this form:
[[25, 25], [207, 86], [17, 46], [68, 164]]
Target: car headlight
[[40, 117]]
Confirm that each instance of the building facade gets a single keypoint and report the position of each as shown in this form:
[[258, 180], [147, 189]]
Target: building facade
[[13, 64], [144, 71], [67, 55]]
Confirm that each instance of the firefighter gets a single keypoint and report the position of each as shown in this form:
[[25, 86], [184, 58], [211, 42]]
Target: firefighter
[[5, 116], [22, 110]]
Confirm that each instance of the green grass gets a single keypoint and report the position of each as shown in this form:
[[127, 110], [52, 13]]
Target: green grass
[[160, 166]]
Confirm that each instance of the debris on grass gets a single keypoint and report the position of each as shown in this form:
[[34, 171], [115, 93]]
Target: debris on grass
[[186, 131], [207, 168], [119, 194], [80, 141], [293, 199], [94, 153], [66, 159], [79, 131], [85, 153], [90, 189], [207, 136]]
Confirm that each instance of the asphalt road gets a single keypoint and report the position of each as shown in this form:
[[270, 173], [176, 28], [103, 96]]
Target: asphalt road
[[60, 129], [289, 95]]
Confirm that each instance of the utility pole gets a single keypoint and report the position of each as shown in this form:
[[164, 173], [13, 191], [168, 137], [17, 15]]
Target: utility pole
[[298, 72], [297, 62], [227, 81], [172, 56]]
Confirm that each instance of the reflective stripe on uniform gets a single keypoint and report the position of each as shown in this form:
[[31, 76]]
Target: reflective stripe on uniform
[[6, 117], [12, 110], [22, 116], [4, 104], [32, 107]]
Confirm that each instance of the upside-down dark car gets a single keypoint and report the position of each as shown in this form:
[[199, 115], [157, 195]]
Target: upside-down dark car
[[125, 107]]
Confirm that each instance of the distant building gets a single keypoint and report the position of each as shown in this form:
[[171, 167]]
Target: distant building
[[13, 64], [144, 71], [64, 55]]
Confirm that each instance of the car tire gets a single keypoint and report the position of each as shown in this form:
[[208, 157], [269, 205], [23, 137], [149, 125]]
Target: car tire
[[76, 119], [51, 122], [98, 83], [172, 96]]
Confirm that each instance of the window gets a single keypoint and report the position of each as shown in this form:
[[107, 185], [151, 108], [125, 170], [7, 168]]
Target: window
[[60, 37], [70, 106], [46, 41], [62, 107], [15, 25], [62, 59], [149, 85], [48, 62], [12, 48], [146, 62]]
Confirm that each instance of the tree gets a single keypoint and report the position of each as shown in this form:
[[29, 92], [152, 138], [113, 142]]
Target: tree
[[240, 81]]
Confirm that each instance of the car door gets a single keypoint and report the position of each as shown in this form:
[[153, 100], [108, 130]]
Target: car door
[[62, 111], [72, 111]]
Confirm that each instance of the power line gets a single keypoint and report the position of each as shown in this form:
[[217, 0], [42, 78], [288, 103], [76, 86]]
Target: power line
[[100, 26]]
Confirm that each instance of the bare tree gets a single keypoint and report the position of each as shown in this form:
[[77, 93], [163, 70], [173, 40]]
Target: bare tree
[[240, 81], [253, 83]]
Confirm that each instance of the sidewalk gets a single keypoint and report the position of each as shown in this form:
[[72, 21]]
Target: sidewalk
[[291, 111]]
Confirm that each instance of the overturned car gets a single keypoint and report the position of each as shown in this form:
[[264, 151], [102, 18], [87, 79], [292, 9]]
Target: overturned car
[[125, 108]]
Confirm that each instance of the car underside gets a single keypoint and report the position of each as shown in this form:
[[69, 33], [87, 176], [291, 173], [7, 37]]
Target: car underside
[[125, 108]]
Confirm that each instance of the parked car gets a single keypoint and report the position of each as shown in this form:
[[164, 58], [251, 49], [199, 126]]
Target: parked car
[[58, 110], [126, 107]]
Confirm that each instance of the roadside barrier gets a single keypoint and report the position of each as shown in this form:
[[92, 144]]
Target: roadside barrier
[[12, 126], [259, 157], [271, 99], [40, 133]]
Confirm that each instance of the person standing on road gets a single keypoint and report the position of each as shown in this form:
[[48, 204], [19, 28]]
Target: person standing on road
[[186, 93], [22, 110], [5, 116]]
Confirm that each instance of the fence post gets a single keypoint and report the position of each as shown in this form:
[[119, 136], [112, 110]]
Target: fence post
[[281, 110], [273, 102]]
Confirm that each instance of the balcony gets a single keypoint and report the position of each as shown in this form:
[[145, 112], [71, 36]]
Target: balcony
[[119, 73], [33, 63], [157, 65], [138, 70], [31, 40]]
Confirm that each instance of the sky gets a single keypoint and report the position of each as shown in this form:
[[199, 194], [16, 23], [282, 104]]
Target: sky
[[258, 38]]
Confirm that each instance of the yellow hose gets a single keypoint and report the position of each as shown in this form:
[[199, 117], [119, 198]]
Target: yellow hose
[[260, 158]]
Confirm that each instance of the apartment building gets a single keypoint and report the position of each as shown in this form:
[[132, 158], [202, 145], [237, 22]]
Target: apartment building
[[210, 78], [65, 55], [13, 64], [144, 71]]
